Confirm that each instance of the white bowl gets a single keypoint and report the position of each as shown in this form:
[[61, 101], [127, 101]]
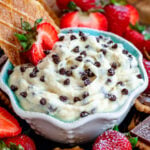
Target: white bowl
[[84, 129]]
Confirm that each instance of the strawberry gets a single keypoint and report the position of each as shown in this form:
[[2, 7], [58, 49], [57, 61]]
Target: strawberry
[[118, 18], [85, 5], [23, 140], [112, 140], [9, 126], [135, 37], [94, 20], [63, 4], [37, 39], [147, 67], [134, 15]]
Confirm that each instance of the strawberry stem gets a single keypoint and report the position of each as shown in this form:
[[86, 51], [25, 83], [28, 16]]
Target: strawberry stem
[[29, 37]]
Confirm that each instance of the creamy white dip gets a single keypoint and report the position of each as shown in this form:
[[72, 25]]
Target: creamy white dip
[[82, 75]]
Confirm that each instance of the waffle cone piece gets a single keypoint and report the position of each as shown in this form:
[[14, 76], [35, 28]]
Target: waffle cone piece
[[11, 11]]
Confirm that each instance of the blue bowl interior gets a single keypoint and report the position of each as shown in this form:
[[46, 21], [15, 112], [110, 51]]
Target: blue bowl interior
[[114, 38]]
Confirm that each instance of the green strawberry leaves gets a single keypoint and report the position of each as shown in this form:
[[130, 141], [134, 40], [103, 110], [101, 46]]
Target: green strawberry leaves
[[138, 27], [118, 2], [147, 36], [12, 146], [29, 37], [72, 6], [132, 140]]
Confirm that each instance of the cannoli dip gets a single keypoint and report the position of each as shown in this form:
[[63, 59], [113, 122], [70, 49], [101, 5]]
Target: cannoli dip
[[81, 75]]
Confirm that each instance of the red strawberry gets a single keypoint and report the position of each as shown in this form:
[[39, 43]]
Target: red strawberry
[[134, 15], [63, 4], [94, 20], [85, 5], [147, 45], [112, 140], [136, 38], [25, 141], [37, 39], [147, 67], [118, 18], [9, 126]]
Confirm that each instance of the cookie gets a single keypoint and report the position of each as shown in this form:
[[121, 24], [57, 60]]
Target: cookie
[[142, 131], [4, 99], [142, 103]]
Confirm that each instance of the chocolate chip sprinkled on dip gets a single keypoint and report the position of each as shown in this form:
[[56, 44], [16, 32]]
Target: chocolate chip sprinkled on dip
[[79, 75]]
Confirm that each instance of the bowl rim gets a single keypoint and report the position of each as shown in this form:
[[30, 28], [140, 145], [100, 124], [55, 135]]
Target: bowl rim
[[77, 123]]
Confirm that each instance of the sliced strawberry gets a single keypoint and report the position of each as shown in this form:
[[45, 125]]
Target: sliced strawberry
[[37, 39], [136, 38], [35, 54], [118, 18], [94, 20], [47, 35], [112, 140], [134, 15], [9, 126], [26, 142]]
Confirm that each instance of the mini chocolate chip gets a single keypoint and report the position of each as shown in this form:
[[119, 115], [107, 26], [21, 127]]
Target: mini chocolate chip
[[110, 42], [120, 83], [68, 73], [89, 73], [84, 114], [84, 77], [130, 56], [108, 81], [10, 72], [101, 37], [23, 94], [32, 74], [76, 99], [81, 33], [73, 37], [52, 108], [63, 98], [87, 82], [97, 64], [46, 52], [105, 46], [103, 51], [97, 39], [67, 82], [74, 67], [35, 69], [111, 72], [43, 101], [115, 46], [61, 38], [62, 71], [87, 46], [14, 88], [83, 53], [124, 92], [83, 38], [85, 94], [42, 78], [56, 59], [125, 52], [79, 58], [114, 65], [111, 97], [139, 76], [23, 69], [76, 49]]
